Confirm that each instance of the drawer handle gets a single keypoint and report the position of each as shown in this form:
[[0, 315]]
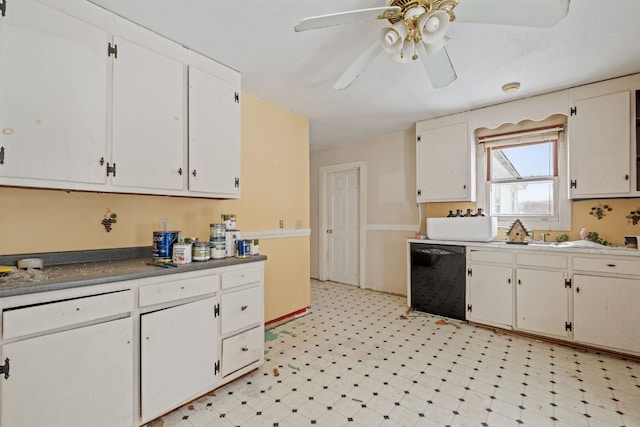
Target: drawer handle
[[244, 307], [245, 349], [611, 265]]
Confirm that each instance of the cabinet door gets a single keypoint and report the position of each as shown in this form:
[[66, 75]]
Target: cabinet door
[[80, 377], [599, 150], [53, 96], [605, 312], [214, 134], [148, 115], [542, 302], [490, 294], [444, 165], [178, 354]]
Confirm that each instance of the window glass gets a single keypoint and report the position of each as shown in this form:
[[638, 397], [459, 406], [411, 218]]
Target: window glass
[[522, 161], [523, 198]]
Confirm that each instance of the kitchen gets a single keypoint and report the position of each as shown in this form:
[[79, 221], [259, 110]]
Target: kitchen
[[44, 220]]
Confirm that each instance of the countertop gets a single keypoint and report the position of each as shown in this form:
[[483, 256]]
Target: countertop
[[93, 273], [548, 247]]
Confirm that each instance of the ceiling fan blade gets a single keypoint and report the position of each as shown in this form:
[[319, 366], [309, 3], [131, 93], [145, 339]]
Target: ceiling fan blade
[[359, 65], [346, 17], [525, 13], [438, 66]]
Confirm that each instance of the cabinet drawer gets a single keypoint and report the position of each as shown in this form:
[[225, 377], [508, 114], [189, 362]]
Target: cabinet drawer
[[542, 260], [180, 289], [29, 320], [241, 309], [242, 350], [607, 265], [231, 279], [497, 257]]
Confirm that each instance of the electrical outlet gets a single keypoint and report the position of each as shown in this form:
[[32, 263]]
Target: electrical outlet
[[281, 223], [164, 224], [298, 224]]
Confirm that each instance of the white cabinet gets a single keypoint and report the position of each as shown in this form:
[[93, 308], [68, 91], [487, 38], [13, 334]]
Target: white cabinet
[[445, 169], [53, 97], [490, 288], [214, 133], [148, 110], [178, 355], [70, 362], [599, 146]]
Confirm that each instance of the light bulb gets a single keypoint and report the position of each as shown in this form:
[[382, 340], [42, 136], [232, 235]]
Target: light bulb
[[433, 23], [391, 37]]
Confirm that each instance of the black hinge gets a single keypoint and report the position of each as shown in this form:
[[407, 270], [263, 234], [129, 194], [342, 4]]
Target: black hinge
[[237, 184], [567, 326], [216, 367], [216, 310], [1, 155], [567, 283], [469, 308], [3, 7], [112, 50], [573, 111], [469, 272], [236, 97], [111, 169], [574, 183], [4, 369]]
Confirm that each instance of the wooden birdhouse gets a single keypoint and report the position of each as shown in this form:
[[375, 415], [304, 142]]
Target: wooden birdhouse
[[517, 233]]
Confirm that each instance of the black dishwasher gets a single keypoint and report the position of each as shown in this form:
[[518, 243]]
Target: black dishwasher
[[438, 279]]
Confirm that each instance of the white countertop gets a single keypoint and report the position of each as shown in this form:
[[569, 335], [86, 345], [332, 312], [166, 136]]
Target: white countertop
[[573, 247]]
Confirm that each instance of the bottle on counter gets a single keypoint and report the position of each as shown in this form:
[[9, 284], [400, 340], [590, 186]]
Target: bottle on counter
[[451, 214], [480, 212], [468, 214], [584, 233], [458, 213]]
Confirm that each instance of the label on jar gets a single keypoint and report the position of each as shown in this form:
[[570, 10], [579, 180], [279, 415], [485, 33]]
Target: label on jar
[[201, 251]]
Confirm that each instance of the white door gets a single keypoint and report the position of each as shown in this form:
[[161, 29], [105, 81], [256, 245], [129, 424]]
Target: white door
[[178, 353], [80, 377], [490, 294], [542, 302], [343, 229]]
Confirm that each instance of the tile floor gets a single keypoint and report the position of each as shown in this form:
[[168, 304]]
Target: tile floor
[[358, 360]]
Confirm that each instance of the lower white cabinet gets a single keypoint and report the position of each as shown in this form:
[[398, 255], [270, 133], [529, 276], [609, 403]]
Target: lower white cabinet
[[490, 295], [242, 350], [605, 312], [178, 355], [74, 378], [542, 302]]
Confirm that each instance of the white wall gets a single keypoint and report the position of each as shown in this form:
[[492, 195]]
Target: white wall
[[391, 210]]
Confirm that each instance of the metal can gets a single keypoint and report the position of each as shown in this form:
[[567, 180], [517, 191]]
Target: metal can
[[218, 249], [231, 239], [163, 242], [255, 247], [182, 253], [201, 251], [229, 221], [217, 231], [243, 249]]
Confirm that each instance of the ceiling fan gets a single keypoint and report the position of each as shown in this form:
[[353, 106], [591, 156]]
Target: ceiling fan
[[418, 29]]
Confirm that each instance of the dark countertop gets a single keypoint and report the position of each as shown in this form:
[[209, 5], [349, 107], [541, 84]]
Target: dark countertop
[[78, 273]]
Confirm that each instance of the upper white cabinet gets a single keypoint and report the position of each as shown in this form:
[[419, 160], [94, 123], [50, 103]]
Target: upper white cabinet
[[95, 102], [599, 146], [445, 167], [214, 130], [53, 97], [148, 110]]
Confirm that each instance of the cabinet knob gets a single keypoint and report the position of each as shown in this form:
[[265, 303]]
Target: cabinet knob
[[194, 173], [577, 290], [519, 282], [244, 307], [245, 349], [509, 280], [611, 265], [180, 171]]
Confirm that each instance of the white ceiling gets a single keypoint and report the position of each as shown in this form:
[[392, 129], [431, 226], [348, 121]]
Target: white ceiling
[[597, 40]]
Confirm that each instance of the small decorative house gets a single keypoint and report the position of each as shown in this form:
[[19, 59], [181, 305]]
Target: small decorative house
[[517, 233]]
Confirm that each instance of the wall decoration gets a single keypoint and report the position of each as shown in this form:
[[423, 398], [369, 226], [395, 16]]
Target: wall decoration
[[600, 211], [109, 219], [517, 233], [633, 217]]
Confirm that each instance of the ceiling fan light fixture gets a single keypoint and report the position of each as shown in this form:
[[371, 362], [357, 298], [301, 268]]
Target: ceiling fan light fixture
[[393, 37], [511, 87], [433, 26]]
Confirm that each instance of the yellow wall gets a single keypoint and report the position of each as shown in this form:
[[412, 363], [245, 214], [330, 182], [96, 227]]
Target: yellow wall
[[275, 185], [612, 227]]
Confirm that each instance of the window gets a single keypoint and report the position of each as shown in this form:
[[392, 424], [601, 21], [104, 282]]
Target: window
[[524, 174]]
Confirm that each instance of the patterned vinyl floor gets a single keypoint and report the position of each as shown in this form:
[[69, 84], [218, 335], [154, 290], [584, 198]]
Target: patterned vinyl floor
[[359, 360]]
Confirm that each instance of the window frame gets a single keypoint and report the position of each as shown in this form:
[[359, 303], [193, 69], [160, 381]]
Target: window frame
[[561, 218]]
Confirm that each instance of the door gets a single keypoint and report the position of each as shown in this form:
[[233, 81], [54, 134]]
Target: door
[[343, 226], [542, 302], [79, 377], [214, 134], [178, 354], [490, 294], [53, 96]]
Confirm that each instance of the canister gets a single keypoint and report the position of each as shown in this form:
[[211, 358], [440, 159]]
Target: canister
[[163, 242], [217, 232], [243, 249], [218, 248], [229, 221], [255, 247], [231, 239], [182, 253], [201, 251]]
